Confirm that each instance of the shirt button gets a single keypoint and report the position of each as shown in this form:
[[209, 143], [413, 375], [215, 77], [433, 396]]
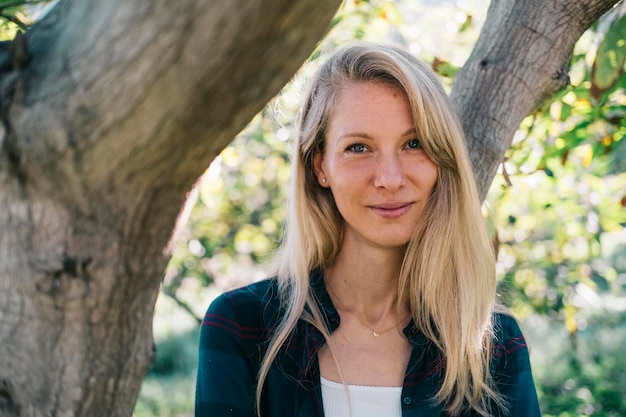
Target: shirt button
[[406, 400]]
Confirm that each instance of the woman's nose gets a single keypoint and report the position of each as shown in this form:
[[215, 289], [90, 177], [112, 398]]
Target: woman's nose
[[389, 173]]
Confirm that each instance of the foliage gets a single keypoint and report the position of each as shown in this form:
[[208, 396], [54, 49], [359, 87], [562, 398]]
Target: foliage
[[176, 355], [235, 223], [168, 389], [585, 377], [562, 241], [166, 396], [19, 15], [609, 63]]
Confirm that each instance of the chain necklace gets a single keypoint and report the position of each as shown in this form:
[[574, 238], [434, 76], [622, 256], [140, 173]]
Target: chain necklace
[[375, 333]]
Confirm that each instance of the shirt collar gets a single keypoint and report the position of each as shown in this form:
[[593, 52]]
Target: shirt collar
[[327, 308], [331, 315]]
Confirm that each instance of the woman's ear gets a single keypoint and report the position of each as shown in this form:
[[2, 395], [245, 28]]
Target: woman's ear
[[318, 168]]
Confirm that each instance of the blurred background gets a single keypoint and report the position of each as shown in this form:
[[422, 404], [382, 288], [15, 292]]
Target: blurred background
[[556, 209]]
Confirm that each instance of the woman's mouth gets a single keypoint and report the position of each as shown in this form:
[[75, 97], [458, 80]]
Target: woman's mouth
[[391, 210]]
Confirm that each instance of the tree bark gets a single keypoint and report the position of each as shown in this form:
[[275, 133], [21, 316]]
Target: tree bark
[[110, 111], [520, 59]]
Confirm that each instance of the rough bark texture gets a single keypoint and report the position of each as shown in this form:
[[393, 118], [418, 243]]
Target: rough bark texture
[[109, 112], [521, 59]]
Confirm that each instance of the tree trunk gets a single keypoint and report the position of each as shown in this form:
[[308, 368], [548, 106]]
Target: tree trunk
[[521, 59], [110, 111]]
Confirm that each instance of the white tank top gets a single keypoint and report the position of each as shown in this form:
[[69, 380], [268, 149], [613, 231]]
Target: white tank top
[[364, 401]]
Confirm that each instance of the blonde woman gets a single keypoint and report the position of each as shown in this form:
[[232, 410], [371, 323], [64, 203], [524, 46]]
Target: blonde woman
[[382, 302]]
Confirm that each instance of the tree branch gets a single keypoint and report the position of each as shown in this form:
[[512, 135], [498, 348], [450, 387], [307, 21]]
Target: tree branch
[[170, 292], [131, 101], [521, 59]]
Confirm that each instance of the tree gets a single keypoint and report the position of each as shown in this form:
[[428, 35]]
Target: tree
[[110, 112], [520, 60]]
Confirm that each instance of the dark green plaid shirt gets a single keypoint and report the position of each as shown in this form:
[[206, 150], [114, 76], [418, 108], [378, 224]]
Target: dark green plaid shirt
[[239, 324]]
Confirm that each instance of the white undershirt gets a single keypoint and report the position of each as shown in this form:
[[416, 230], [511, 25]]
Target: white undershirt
[[366, 401]]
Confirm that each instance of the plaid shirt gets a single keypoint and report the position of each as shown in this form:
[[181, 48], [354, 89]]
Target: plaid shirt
[[238, 325]]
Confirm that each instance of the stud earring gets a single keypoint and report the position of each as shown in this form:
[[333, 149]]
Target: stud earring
[[323, 180]]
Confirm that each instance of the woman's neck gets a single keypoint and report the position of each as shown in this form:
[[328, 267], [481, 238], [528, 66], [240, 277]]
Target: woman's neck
[[366, 284]]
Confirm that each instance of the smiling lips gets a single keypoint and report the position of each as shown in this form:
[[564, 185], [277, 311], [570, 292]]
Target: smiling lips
[[391, 210]]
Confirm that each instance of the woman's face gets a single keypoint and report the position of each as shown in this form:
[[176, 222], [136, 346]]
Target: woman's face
[[374, 165]]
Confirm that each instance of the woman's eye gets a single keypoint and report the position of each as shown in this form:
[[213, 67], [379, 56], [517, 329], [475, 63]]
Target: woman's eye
[[357, 148], [413, 144]]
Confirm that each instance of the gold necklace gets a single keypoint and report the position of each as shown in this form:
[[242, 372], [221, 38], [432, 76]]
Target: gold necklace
[[374, 332]]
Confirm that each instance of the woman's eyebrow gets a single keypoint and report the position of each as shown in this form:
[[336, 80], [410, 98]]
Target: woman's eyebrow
[[355, 135], [411, 132]]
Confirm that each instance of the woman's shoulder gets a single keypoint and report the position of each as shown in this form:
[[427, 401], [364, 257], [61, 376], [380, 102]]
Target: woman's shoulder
[[257, 291], [506, 326], [249, 312], [509, 341], [511, 369]]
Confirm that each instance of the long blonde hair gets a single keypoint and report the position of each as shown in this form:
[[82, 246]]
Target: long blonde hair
[[448, 274]]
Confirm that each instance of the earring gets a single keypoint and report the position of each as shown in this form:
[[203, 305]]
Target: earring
[[323, 180]]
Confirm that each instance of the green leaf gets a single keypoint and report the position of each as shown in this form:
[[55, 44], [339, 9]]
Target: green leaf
[[609, 63], [444, 68], [549, 172]]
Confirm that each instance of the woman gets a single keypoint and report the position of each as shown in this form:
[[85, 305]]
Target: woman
[[383, 300]]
